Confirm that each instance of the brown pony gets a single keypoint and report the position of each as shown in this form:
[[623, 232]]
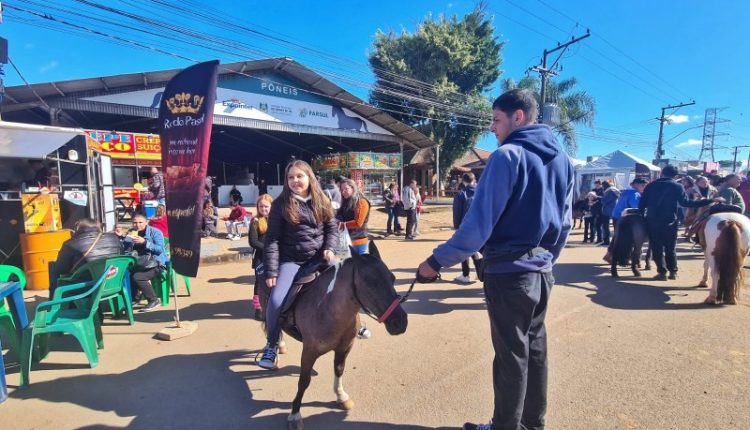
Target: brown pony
[[325, 317], [727, 238]]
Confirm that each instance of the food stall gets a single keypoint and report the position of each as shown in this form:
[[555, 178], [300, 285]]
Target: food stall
[[372, 171], [133, 155], [48, 181]]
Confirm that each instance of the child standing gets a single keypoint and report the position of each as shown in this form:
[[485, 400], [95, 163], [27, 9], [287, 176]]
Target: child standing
[[301, 227], [257, 233]]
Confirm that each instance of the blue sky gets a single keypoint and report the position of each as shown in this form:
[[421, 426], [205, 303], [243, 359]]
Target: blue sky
[[642, 55]]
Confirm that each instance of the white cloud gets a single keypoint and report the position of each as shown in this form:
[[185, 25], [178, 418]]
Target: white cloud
[[677, 119], [49, 66], [689, 142]]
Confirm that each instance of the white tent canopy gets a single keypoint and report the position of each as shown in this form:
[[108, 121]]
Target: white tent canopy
[[618, 160], [33, 141], [618, 167]]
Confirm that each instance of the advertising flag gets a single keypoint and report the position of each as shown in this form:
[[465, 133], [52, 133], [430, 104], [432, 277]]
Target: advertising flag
[[186, 114]]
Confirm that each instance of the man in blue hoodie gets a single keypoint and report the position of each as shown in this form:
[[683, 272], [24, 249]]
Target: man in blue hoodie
[[521, 214]]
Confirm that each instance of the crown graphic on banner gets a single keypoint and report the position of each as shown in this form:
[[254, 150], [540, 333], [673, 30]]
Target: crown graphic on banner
[[184, 103]]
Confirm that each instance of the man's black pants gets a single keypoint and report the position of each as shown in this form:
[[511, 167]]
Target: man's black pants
[[411, 220], [517, 304], [663, 240], [142, 282], [603, 226]]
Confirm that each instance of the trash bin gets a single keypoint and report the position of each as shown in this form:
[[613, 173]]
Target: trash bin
[[149, 208], [38, 250]]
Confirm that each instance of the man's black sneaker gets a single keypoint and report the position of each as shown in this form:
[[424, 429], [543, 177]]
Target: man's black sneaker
[[672, 275], [472, 426], [660, 277], [151, 306]]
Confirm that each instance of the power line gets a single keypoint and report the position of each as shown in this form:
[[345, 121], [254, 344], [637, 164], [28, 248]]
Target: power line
[[624, 54]]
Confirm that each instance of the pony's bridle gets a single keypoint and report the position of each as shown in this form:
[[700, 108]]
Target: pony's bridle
[[395, 303]]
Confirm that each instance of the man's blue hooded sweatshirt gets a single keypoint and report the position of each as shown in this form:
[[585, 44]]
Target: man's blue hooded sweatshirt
[[522, 202]]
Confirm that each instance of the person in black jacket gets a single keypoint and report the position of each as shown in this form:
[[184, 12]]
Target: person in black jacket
[[392, 199], [461, 203], [301, 227], [257, 233], [660, 202], [87, 244]]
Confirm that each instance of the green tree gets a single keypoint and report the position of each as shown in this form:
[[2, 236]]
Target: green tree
[[434, 79], [577, 107]]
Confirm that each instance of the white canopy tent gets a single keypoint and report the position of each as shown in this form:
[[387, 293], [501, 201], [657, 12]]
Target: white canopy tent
[[619, 167], [33, 141]]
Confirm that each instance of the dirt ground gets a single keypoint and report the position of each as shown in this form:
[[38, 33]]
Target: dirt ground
[[627, 354]]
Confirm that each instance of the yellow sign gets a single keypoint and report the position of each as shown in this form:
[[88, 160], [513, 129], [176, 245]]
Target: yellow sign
[[41, 212]]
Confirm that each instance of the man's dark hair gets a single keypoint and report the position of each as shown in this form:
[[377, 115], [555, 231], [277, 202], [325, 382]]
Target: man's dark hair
[[513, 100], [468, 177], [605, 184], [88, 224], [598, 182], [730, 177], [669, 171], [637, 181]]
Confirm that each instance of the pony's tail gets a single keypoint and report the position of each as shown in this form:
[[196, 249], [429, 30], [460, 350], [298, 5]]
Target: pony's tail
[[729, 260], [624, 239]]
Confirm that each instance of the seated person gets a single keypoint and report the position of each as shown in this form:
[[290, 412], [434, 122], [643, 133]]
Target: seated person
[[88, 243], [210, 216], [235, 196], [159, 221], [235, 218], [141, 241]]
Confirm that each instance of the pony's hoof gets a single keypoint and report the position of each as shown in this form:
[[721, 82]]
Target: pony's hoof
[[647, 268], [702, 285], [731, 301], [295, 422], [347, 404], [637, 274], [710, 300]]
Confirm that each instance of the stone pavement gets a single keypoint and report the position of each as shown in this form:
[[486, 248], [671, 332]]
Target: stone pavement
[[627, 354]]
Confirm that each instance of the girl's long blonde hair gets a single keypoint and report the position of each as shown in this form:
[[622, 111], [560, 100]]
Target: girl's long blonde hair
[[262, 220], [321, 206]]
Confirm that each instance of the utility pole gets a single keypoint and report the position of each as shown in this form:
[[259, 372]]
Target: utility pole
[[662, 119], [551, 71], [734, 161]]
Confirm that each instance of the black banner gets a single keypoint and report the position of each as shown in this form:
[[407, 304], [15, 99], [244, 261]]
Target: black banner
[[186, 114]]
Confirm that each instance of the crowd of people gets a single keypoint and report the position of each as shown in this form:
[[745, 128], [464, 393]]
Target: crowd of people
[[669, 202]]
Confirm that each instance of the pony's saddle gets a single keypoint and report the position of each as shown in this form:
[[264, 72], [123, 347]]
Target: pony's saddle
[[306, 275], [724, 208], [718, 208]]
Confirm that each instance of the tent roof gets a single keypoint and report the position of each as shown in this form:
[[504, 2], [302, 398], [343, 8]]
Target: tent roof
[[618, 160], [33, 141]]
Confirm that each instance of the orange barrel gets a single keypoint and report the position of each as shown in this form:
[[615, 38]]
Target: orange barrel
[[38, 250]]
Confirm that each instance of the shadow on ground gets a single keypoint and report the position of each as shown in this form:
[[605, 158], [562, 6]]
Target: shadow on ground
[[189, 391], [627, 292]]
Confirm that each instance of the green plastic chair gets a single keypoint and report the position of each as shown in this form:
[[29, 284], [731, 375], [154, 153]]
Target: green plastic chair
[[54, 317], [162, 282], [116, 289], [7, 325]]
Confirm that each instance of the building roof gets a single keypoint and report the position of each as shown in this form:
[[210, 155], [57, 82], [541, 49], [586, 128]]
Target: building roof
[[27, 97]]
